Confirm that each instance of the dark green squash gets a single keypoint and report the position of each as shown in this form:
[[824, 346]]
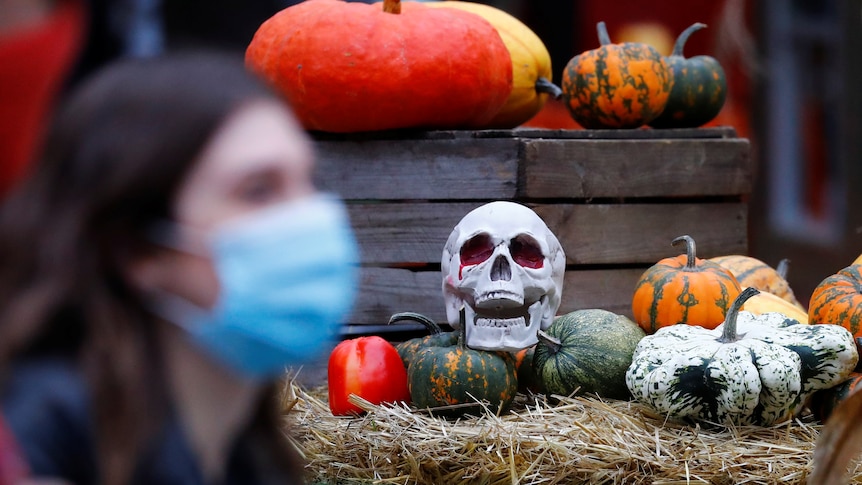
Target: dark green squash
[[453, 378], [699, 88], [436, 338], [587, 351]]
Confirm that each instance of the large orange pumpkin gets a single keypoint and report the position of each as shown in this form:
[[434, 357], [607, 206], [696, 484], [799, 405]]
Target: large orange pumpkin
[[683, 290], [616, 85], [350, 66], [838, 300], [531, 64]]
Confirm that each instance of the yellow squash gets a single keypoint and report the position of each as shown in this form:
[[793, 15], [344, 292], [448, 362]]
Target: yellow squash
[[531, 64], [765, 302], [858, 260]]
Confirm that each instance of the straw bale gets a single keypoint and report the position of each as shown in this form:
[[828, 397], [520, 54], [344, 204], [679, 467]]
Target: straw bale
[[572, 440]]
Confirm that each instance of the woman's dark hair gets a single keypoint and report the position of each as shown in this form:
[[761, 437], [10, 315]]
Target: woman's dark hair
[[114, 158]]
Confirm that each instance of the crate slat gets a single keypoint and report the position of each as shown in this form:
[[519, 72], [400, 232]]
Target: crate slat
[[420, 169], [629, 168], [409, 233]]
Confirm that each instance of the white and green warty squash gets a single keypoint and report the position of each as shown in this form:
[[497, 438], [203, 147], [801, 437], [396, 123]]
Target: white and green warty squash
[[751, 369]]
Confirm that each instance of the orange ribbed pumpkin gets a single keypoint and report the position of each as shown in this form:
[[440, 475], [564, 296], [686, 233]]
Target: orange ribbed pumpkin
[[683, 289], [351, 67], [750, 271]]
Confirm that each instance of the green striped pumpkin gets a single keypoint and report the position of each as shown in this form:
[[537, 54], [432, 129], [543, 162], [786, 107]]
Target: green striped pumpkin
[[683, 290], [751, 370], [616, 85], [586, 351]]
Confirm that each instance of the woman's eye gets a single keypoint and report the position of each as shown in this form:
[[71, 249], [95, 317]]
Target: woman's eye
[[260, 188]]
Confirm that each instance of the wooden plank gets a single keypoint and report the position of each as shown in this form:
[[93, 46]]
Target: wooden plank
[[642, 233], [385, 291], [419, 169], [628, 168], [397, 233]]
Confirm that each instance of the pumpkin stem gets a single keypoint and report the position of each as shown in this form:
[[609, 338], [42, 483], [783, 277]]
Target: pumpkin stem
[[728, 333], [604, 38], [392, 6], [690, 250], [783, 267], [544, 86], [553, 343], [429, 324], [683, 38]]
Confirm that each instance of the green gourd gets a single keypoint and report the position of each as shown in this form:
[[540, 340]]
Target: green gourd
[[586, 351], [699, 87]]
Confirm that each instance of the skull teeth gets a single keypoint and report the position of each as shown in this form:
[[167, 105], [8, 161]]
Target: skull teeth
[[500, 295], [500, 322]]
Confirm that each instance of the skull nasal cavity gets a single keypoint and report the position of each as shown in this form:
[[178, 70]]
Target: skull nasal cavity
[[501, 271]]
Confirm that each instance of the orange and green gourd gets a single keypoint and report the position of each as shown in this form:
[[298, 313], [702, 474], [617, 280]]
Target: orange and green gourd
[[838, 300], [699, 87], [683, 290], [616, 85], [456, 377], [352, 66]]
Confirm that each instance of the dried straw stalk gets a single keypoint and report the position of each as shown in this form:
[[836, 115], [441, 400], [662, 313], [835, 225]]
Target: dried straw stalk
[[576, 440]]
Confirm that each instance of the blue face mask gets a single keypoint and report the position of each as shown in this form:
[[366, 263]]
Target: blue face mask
[[288, 277]]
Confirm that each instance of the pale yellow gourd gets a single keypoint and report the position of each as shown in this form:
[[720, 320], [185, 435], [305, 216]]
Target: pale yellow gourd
[[767, 302]]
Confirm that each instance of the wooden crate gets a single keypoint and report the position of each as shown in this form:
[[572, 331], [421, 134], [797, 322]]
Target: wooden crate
[[614, 198]]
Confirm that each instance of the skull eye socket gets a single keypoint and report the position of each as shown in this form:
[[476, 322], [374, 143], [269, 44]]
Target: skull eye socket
[[476, 250], [526, 251]]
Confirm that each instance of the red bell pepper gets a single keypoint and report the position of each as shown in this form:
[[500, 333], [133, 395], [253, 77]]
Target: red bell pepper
[[369, 367]]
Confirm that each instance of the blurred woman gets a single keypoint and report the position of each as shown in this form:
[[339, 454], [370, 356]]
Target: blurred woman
[[162, 264]]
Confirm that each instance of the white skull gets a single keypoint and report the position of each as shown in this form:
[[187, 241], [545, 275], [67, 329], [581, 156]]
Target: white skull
[[504, 268]]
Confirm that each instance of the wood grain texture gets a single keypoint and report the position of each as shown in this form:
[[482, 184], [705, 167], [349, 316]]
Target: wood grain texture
[[635, 168], [533, 168], [385, 291], [398, 233], [419, 169]]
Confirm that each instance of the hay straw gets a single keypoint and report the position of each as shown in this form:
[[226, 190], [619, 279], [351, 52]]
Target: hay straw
[[576, 440]]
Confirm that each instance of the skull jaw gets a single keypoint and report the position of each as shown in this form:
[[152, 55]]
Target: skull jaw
[[504, 334]]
